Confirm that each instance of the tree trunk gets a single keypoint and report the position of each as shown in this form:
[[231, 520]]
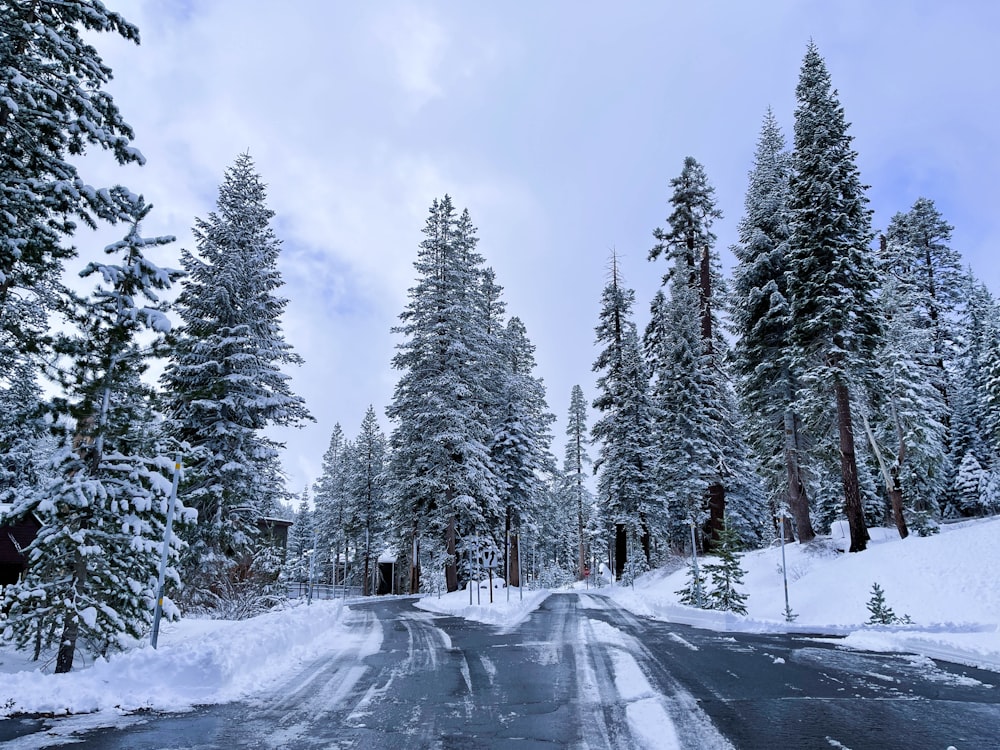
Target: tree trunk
[[798, 502], [415, 563], [451, 567], [716, 513], [514, 566], [896, 499], [849, 471], [621, 550], [71, 621], [581, 556]]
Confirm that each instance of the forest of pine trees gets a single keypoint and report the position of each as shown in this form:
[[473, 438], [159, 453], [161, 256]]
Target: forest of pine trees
[[841, 372]]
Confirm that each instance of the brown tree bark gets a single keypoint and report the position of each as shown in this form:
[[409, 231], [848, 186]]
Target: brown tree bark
[[514, 565], [415, 562], [621, 550], [849, 471], [798, 502], [71, 621]]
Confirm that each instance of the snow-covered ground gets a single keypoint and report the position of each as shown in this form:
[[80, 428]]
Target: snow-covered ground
[[197, 662], [947, 584]]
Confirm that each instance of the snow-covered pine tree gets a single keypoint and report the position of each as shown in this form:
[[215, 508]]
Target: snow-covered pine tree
[[24, 437], [689, 246], [760, 314], [440, 462], [574, 469], [301, 539], [224, 383], [975, 414], [92, 569], [52, 107], [726, 574], [919, 295], [521, 441], [831, 275], [969, 481], [695, 590], [330, 498], [626, 460], [366, 510]]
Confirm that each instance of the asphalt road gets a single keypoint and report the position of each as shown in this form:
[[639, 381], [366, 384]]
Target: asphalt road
[[582, 673]]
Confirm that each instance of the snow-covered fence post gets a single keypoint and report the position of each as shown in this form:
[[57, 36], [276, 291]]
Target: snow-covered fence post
[[161, 577]]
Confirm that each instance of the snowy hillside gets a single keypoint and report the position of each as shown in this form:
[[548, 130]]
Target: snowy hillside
[[946, 583]]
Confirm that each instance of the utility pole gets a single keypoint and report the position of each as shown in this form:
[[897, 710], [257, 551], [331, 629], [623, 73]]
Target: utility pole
[[161, 577]]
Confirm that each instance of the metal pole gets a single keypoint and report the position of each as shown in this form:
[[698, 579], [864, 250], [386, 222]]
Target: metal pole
[[470, 575], [506, 557], [312, 571], [784, 573], [520, 569], [161, 577], [694, 557]]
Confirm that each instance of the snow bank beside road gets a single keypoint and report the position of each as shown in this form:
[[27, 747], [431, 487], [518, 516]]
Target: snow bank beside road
[[946, 583], [198, 661], [508, 614]]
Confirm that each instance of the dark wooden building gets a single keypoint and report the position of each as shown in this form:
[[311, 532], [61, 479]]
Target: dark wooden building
[[15, 536]]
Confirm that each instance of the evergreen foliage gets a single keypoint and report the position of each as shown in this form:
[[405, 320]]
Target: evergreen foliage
[[224, 383], [92, 568], [881, 612], [694, 402], [695, 591], [831, 276], [365, 516], [52, 107], [441, 466], [301, 539], [330, 497], [761, 319], [574, 487], [627, 458], [726, 574]]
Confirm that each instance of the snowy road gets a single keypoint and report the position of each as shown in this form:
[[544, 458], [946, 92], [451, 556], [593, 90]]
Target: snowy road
[[580, 672]]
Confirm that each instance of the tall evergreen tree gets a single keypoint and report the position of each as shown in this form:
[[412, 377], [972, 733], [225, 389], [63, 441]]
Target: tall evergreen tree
[[24, 435], [440, 447], [521, 456], [919, 295], [366, 492], [330, 497], [92, 569], [831, 274], [224, 382], [626, 460], [301, 542], [761, 318], [574, 469], [689, 246], [694, 401], [52, 107]]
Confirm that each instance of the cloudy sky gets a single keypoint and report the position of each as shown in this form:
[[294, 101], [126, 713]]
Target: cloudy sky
[[558, 124]]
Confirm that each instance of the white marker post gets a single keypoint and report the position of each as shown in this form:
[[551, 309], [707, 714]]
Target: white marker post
[[161, 578]]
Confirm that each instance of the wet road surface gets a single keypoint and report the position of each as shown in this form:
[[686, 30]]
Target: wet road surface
[[580, 672]]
